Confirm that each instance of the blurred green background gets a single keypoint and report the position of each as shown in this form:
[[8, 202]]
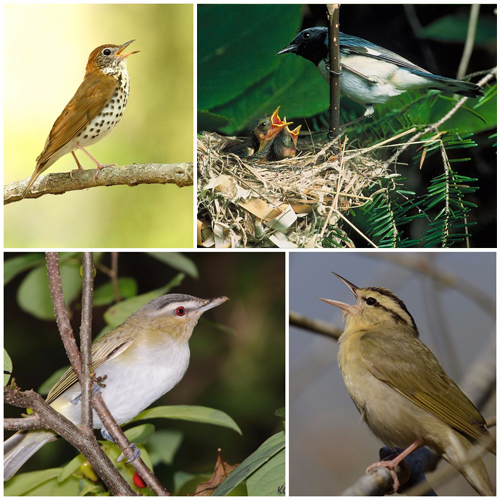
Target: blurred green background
[[237, 350], [46, 50]]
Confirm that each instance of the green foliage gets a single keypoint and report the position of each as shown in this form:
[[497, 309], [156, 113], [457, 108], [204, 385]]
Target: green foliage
[[241, 78], [177, 261], [191, 414], [7, 367], [453, 29], [270, 473], [118, 313]]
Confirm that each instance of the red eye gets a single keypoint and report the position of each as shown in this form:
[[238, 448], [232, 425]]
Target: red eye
[[180, 311]]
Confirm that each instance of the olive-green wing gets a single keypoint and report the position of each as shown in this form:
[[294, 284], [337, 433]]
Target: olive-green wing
[[408, 366], [106, 348]]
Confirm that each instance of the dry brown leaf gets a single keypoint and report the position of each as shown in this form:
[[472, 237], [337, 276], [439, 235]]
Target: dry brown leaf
[[221, 471]]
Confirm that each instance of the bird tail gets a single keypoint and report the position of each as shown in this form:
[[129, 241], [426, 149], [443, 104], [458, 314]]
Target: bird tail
[[451, 85], [32, 180], [21, 446]]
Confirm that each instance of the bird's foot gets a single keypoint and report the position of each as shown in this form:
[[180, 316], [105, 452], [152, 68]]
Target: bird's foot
[[106, 435], [100, 167], [135, 456], [391, 465]]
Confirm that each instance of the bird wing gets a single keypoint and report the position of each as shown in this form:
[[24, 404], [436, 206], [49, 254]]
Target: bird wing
[[424, 383], [91, 97], [354, 45], [108, 347]]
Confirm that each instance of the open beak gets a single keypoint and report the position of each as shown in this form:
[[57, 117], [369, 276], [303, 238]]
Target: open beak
[[122, 48], [342, 305], [294, 133], [277, 125]]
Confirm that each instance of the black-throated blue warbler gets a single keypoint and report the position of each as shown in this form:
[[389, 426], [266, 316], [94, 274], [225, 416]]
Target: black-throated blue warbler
[[371, 74]]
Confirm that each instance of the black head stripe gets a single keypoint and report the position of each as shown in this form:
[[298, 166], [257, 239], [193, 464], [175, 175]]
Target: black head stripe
[[401, 304]]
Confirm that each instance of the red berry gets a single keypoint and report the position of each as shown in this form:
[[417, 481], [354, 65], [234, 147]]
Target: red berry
[[138, 481]]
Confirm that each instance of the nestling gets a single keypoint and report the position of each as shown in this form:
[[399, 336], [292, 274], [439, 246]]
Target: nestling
[[402, 391], [142, 359]]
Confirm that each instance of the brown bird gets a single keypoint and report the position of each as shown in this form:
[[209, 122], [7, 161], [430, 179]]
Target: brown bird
[[92, 113], [260, 140], [285, 144]]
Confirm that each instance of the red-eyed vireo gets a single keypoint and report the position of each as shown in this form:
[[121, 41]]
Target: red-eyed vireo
[[142, 359]]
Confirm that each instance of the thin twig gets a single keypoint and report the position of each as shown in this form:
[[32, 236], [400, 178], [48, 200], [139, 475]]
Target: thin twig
[[492, 73], [114, 276], [469, 42], [180, 174], [314, 325], [86, 340], [335, 69], [62, 319], [121, 440]]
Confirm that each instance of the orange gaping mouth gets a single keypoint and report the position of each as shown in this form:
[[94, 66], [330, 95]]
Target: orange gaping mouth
[[277, 124]]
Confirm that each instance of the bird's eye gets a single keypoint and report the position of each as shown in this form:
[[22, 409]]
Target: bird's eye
[[307, 35], [180, 311], [371, 301], [107, 52]]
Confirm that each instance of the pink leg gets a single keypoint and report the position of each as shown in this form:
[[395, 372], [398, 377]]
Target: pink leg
[[99, 165], [77, 162], [391, 464]]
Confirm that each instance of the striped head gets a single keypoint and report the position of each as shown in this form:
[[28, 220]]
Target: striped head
[[375, 307], [176, 314]]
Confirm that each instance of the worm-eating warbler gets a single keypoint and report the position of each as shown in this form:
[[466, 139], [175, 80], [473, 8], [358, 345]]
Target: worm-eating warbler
[[142, 359], [402, 391]]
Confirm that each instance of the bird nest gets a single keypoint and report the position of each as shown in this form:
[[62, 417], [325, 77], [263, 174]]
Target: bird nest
[[294, 203]]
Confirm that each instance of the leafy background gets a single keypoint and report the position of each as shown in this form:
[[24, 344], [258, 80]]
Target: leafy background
[[46, 50], [237, 350], [240, 78]]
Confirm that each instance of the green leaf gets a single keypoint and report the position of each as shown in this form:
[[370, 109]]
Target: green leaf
[[105, 295], [210, 121], [261, 456], [33, 294], [199, 414], [71, 467], [268, 480], [7, 367], [17, 265], [234, 56], [453, 28], [20, 484], [50, 382], [140, 434], [164, 446], [177, 261], [118, 313], [186, 483]]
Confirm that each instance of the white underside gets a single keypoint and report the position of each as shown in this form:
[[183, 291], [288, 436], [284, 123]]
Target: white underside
[[131, 389], [380, 81]]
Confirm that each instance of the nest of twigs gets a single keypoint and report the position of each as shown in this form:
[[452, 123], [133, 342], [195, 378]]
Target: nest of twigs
[[294, 203]]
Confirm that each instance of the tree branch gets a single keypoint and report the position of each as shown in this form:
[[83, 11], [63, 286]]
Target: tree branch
[[180, 174], [86, 341], [121, 440], [335, 69], [67, 430], [62, 320], [314, 325]]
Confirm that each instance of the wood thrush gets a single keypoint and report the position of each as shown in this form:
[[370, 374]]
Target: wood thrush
[[92, 113]]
